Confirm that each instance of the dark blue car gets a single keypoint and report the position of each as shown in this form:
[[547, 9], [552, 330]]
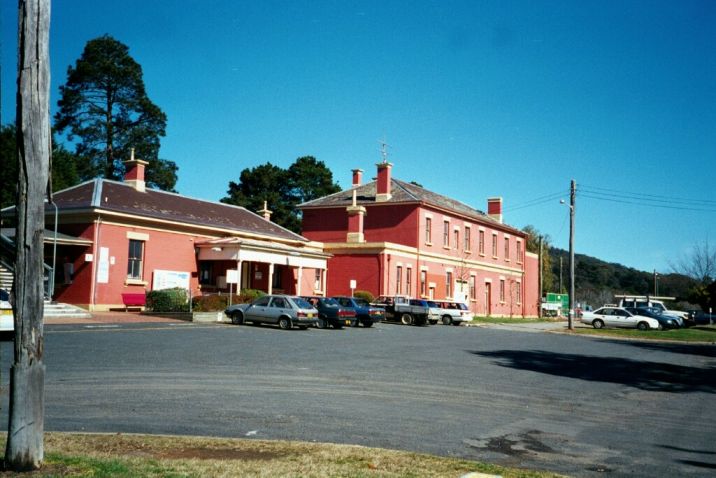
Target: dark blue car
[[366, 314]]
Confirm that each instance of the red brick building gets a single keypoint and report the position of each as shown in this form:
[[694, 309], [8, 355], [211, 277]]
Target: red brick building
[[117, 237], [393, 237]]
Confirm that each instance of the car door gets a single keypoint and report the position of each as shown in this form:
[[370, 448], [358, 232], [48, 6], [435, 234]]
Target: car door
[[624, 319], [607, 316], [279, 307], [256, 312]]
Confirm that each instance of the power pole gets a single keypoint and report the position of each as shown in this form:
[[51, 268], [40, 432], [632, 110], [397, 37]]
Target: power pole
[[572, 199], [541, 287], [25, 447]]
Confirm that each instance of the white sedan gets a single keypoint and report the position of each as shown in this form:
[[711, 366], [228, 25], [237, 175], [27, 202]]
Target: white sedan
[[7, 323], [618, 317]]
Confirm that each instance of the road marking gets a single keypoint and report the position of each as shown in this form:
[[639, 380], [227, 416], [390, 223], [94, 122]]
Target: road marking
[[101, 326], [251, 433]]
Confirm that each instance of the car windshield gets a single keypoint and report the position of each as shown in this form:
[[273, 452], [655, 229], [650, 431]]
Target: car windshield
[[329, 301], [462, 306], [361, 302], [302, 303], [432, 304]]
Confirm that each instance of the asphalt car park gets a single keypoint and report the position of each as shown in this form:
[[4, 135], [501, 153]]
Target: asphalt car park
[[573, 405]]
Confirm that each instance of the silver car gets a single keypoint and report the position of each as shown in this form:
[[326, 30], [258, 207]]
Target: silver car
[[618, 317], [285, 310]]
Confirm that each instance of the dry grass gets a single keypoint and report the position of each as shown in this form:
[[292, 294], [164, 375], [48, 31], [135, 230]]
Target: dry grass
[[121, 455]]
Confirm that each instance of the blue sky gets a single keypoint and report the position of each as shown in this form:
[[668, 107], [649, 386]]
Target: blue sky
[[476, 99]]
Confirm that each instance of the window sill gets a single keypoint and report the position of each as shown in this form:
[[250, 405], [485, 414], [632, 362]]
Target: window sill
[[447, 248], [429, 244], [136, 282]]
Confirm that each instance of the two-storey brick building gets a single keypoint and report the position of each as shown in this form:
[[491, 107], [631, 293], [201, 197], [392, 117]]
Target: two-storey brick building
[[394, 237]]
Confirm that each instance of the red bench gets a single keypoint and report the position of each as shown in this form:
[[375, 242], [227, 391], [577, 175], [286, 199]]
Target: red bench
[[133, 299]]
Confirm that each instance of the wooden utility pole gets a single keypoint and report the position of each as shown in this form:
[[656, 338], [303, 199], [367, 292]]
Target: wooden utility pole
[[25, 448], [572, 200]]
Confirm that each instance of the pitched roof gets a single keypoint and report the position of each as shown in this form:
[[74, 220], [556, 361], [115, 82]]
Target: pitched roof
[[154, 204], [401, 193]]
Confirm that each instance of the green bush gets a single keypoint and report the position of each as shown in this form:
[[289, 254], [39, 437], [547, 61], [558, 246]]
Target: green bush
[[219, 302], [168, 300], [364, 294]]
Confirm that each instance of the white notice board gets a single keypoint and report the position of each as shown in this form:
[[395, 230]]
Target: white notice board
[[170, 279]]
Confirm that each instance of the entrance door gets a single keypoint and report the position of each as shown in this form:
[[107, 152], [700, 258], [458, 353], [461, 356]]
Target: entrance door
[[488, 296]]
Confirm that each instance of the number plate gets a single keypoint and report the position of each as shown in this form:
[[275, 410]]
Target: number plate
[[348, 322], [310, 316]]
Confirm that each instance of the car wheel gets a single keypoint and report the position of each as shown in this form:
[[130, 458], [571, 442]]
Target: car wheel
[[367, 323], [237, 318], [598, 324], [406, 319], [284, 323], [322, 324], [447, 320], [642, 326]]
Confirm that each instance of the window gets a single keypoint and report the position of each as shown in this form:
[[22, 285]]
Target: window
[[518, 292], [456, 236], [481, 245], [467, 238], [494, 245], [502, 290], [519, 252], [409, 281], [448, 284], [473, 292], [279, 303], [446, 234], [206, 273], [428, 230], [399, 280], [262, 301], [136, 256], [507, 248], [317, 280], [423, 282]]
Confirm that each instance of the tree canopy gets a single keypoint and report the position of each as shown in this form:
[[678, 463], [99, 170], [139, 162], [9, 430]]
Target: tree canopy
[[282, 189], [105, 110], [63, 173]]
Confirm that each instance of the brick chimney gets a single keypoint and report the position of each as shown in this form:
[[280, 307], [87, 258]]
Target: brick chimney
[[383, 186], [494, 209], [265, 212], [357, 177], [355, 221], [135, 173]]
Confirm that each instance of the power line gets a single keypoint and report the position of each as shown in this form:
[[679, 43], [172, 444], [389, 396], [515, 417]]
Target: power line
[[537, 201], [646, 197], [637, 202]]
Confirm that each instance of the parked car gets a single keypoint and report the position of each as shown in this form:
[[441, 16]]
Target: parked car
[[699, 317], [618, 317], [7, 320], [404, 309], [331, 313], [665, 321], [366, 314], [284, 310], [454, 313], [646, 301]]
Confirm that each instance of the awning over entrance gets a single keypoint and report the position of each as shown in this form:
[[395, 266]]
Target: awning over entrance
[[244, 251]]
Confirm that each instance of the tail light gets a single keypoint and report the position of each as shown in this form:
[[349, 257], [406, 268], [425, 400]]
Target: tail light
[[346, 313], [301, 314]]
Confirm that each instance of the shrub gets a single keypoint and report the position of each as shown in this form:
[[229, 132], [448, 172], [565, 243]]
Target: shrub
[[219, 302], [364, 294], [168, 300]]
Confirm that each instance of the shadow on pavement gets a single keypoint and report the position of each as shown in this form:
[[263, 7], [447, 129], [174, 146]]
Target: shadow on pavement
[[651, 376], [683, 348]]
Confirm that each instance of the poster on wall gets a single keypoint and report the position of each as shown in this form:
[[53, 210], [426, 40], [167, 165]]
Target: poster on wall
[[103, 266], [170, 279]]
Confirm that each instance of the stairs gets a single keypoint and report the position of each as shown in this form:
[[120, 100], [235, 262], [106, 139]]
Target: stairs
[[52, 310], [56, 310]]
